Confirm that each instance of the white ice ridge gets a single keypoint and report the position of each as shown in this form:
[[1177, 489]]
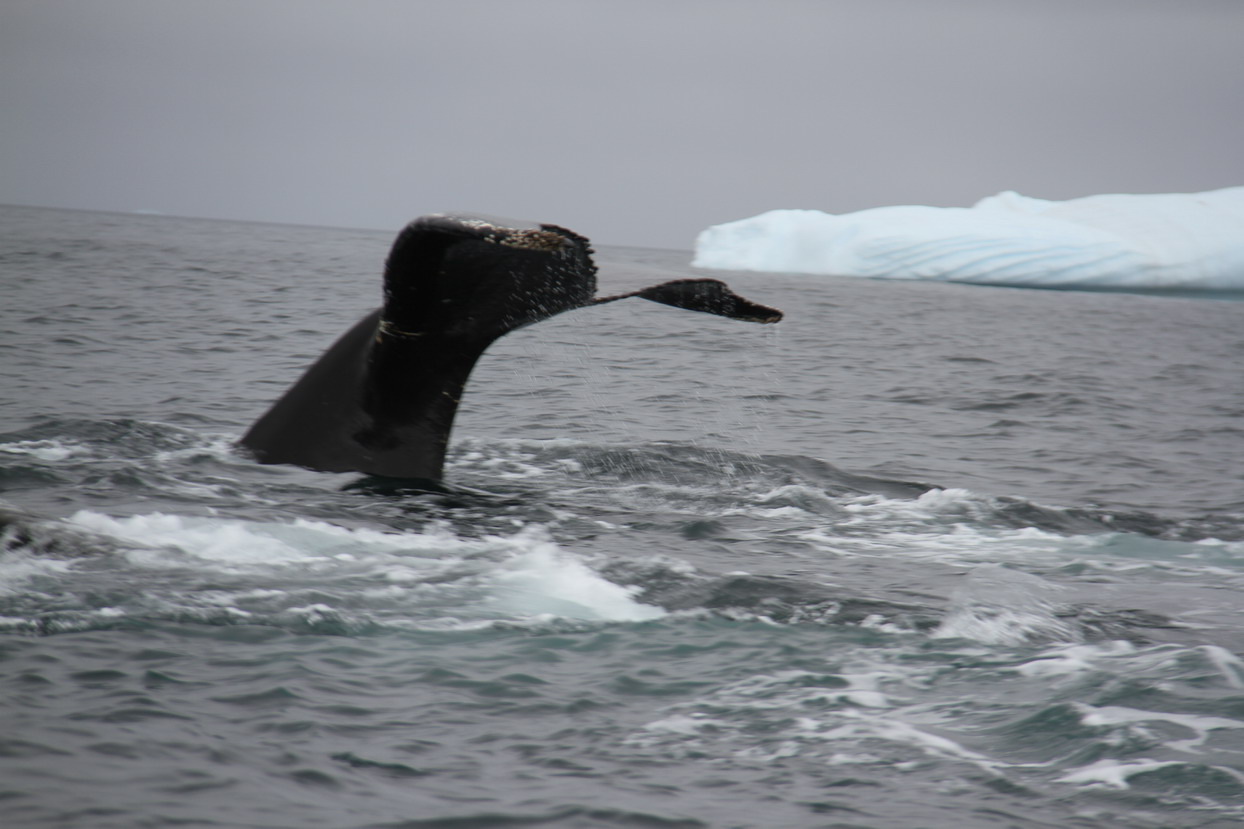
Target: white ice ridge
[[1172, 241]]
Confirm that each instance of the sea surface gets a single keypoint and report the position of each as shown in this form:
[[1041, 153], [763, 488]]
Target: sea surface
[[921, 555]]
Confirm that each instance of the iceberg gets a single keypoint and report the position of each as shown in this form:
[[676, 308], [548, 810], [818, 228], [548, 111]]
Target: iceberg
[[1164, 241]]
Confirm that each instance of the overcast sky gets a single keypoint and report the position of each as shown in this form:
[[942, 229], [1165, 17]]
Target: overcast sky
[[637, 122]]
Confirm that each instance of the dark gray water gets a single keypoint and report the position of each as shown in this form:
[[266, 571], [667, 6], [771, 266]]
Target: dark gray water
[[922, 555]]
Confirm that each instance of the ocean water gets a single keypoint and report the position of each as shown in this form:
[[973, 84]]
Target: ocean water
[[921, 555]]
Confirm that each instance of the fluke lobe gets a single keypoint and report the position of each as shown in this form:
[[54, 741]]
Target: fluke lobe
[[382, 399]]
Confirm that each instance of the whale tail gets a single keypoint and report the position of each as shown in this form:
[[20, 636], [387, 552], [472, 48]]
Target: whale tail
[[382, 399], [710, 296]]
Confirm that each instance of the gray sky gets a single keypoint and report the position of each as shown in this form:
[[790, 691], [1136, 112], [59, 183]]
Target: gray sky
[[637, 122]]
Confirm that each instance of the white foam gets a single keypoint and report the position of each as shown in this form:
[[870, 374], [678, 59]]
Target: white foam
[[525, 575], [867, 725], [949, 526], [44, 450], [1116, 773], [809, 717], [1230, 665], [1200, 725], [521, 576], [207, 539], [685, 724], [960, 527], [219, 446], [1157, 241], [512, 459], [1068, 660], [545, 580], [1001, 606], [774, 716], [18, 569]]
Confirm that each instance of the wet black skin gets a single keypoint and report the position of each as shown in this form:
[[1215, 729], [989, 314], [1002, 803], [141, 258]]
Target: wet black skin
[[382, 399]]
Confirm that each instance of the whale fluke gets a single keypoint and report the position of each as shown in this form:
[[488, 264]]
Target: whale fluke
[[711, 296], [382, 399]]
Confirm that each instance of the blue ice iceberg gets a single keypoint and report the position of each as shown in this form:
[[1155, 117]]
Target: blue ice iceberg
[[1168, 241]]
